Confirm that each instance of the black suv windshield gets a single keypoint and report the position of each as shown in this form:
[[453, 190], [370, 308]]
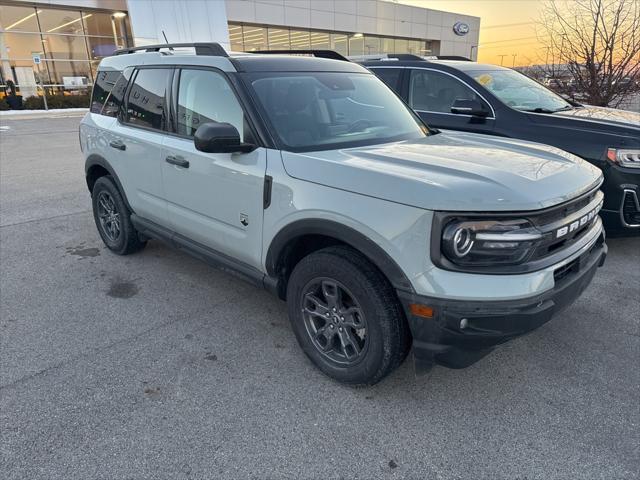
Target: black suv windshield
[[519, 91], [321, 111]]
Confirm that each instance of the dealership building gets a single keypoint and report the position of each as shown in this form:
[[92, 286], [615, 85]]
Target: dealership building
[[59, 43]]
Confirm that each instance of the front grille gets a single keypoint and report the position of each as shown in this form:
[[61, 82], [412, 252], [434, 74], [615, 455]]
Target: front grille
[[566, 224], [560, 212], [631, 208]]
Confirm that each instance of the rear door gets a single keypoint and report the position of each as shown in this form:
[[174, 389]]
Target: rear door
[[214, 199], [136, 142], [432, 94]]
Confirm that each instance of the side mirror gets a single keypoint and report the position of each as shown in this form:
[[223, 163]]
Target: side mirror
[[220, 137], [469, 107]]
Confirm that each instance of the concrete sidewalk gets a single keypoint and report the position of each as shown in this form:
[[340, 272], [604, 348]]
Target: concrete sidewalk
[[51, 113]]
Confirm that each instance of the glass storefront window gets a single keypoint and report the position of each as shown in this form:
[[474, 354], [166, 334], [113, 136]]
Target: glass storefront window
[[235, 38], [300, 40], [278, 39], [65, 47], [371, 45], [415, 47], [99, 24], [72, 75], [61, 21], [320, 41], [387, 45], [339, 43], [356, 45], [401, 45], [100, 47], [20, 46], [18, 19], [255, 38]]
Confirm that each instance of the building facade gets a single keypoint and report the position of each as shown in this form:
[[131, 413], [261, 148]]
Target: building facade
[[69, 37]]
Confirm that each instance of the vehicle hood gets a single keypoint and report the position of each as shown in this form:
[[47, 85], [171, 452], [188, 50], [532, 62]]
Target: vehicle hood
[[452, 171], [611, 116]]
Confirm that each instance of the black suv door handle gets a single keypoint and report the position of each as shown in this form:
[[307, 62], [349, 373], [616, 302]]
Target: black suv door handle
[[118, 144], [177, 160]]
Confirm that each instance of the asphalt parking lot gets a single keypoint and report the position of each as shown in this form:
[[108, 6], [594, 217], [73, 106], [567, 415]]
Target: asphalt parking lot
[[158, 366]]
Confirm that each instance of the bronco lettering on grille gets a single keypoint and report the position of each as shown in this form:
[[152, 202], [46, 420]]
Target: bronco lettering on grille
[[581, 222]]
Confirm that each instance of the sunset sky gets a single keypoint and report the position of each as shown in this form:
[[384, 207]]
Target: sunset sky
[[507, 27]]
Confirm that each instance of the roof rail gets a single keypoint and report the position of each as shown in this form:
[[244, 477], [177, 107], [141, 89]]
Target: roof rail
[[386, 56], [211, 49], [454, 57], [316, 53]]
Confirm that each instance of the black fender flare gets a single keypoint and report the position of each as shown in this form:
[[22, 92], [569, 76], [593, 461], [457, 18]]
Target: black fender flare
[[96, 160], [343, 233]]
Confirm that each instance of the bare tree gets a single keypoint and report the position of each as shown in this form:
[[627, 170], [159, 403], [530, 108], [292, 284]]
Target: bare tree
[[596, 45]]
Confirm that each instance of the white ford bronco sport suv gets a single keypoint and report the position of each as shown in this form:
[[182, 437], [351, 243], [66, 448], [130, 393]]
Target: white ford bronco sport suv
[[309, 177]]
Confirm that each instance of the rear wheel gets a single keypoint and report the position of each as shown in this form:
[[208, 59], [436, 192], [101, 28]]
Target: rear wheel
[[112, 218], [346, 316]]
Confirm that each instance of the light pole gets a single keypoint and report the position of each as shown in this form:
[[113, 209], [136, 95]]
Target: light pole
[[514, 59], [502, 59]]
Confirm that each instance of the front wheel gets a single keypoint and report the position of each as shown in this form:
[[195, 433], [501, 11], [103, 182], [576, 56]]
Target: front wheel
[[346, 316]]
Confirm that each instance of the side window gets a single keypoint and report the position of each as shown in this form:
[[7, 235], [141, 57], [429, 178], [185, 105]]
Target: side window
[[146, 101], [206, 96], [105, 80], [390, 76], [433, 91], [114, 100]]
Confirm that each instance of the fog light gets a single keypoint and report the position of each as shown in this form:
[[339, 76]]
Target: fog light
[[464, 323]]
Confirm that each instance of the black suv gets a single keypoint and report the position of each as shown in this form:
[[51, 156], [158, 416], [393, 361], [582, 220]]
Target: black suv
[[469, 96]]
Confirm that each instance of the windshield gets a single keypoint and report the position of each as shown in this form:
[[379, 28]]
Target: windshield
[[519, 91], [321, 111]]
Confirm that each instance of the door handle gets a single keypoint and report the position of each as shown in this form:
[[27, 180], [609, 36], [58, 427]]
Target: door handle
[[177, 160], [118, 144]]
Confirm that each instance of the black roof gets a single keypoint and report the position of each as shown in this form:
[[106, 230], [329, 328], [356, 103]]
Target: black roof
[[463, 65], [292, 63]]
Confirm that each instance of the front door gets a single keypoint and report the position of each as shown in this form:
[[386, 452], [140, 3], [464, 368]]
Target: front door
[[214, 199], [432, 94]]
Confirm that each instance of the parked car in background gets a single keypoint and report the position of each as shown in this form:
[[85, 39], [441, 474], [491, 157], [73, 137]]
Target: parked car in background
[[473, 97], [310, 178]]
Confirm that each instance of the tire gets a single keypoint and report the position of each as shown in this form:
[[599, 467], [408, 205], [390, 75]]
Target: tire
[[365, 344], [109, 209]]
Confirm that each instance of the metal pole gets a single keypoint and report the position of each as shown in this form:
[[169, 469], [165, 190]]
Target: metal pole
[[44, 92]]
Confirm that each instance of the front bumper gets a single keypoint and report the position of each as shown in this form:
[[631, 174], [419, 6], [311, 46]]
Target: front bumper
[[462, 332]]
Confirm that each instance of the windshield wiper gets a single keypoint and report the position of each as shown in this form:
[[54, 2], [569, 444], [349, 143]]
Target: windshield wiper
[[548, 110], [539, 110]]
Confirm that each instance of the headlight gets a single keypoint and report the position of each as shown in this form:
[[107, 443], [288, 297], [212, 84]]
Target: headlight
[[488, 242], [625, 157]]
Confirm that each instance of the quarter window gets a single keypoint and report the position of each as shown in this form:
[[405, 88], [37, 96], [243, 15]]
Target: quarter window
[[105, 81], [206, 96], [114, 101], [433, 91], [146, 104]]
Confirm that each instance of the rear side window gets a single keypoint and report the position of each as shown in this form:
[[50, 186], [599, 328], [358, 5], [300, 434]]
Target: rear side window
[[146, 103], [105, 82], [390, 76]]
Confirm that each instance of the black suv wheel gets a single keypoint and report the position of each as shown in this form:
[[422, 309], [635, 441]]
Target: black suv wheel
[[112, 218], [346, 316]]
